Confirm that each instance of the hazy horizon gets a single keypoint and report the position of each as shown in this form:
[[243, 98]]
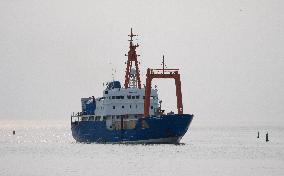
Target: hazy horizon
[[230, 54]]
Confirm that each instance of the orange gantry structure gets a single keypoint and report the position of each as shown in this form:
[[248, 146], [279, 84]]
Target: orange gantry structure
[[162, 74]]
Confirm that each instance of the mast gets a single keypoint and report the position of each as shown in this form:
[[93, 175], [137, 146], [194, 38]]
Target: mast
[[132, 73]]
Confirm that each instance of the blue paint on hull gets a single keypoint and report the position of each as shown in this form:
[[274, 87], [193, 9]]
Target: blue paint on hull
[[164, 127]]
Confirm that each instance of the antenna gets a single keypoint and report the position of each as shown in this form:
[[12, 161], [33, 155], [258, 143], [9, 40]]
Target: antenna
[[112, 74], [131, 35], [113, 71], [163, 64]]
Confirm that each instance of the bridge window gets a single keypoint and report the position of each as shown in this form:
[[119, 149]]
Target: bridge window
[[84, 118]]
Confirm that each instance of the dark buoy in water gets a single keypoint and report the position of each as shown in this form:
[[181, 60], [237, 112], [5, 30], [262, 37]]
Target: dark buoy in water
[[14, 132], [258, 134], [266, 137]]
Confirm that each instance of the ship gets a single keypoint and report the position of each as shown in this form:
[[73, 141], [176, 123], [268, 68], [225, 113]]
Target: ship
[[133, 113]]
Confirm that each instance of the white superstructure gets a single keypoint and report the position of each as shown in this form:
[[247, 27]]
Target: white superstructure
[[118, 101]]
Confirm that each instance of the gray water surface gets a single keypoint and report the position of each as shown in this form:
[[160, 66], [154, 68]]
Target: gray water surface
[[49, 149]]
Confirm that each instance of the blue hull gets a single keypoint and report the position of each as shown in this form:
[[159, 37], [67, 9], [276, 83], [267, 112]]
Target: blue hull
[[165, 129]]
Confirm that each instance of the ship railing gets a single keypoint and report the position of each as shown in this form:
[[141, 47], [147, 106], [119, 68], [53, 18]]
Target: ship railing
[[164, 71], [80, 116]]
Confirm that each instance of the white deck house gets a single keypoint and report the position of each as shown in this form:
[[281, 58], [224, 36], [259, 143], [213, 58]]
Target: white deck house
[[128, 102]]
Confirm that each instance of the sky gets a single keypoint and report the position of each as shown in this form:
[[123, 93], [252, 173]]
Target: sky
[[230, 54]]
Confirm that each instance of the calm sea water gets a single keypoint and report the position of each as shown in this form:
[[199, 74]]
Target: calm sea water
[[47, 149]]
